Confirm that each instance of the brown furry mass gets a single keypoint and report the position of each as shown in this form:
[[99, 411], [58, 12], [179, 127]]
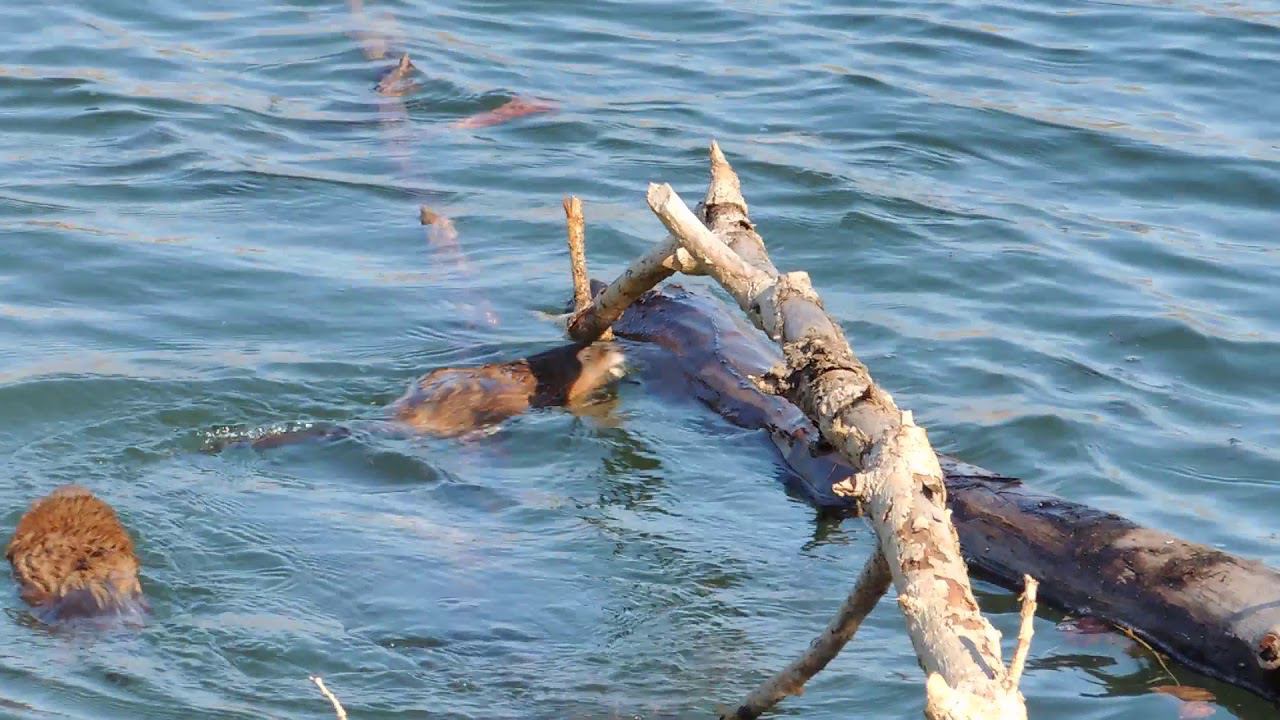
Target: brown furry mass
[[454, 401], [72, 558]]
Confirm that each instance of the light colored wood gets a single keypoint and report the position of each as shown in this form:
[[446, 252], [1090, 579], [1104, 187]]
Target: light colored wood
[[660, 263], [577, 252], [333, 699], [1216, 613], [901, 481], [1026, 629]]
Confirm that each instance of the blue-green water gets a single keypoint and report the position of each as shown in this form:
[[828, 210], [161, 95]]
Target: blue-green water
[[1049, 228]]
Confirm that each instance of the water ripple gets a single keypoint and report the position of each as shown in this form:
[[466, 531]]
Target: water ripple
[[1048, 229]]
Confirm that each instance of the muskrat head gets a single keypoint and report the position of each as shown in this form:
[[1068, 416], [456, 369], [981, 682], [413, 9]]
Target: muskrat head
[[600, 364]]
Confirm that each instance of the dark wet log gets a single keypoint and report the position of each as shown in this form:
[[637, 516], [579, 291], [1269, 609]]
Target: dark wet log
[[1214, 612]]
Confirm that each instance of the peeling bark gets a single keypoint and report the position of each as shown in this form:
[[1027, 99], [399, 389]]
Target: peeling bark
[[1216, 613], [901, 478]]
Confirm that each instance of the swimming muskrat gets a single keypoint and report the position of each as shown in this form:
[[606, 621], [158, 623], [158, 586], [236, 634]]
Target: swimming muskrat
[[398, 80], [72, 558], [454, 401]]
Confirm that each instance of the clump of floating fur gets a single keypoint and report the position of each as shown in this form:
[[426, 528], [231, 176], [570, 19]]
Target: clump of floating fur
[[72, 558]]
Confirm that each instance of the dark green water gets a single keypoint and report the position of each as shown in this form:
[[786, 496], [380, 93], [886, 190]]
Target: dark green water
[[1049, 228]]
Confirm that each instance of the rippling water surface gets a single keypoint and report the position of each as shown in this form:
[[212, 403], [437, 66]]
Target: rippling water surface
[[1050, 229]]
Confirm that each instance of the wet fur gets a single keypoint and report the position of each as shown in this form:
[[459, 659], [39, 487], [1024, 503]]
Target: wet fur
[[72, 558], [453, 401], [450, 402]]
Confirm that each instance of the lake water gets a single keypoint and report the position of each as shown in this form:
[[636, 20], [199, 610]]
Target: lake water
[[1049, 228]]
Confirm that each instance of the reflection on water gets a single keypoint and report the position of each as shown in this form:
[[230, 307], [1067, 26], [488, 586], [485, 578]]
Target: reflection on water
[[1049, 230]]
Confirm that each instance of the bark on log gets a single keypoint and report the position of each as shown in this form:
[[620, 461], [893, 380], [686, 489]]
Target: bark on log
[[902, 481], [1216, 613]]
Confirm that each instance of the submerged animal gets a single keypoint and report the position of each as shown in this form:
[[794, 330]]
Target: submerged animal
[[455, 401], [510, 110], [72, 558], [398, 80]]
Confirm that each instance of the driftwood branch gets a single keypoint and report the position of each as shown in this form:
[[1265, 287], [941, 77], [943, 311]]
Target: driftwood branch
[[589, 324], [871, 586], [1025, 630], [1217, 613], [578, 263], [577, 252], [333, 699], [901, 478]]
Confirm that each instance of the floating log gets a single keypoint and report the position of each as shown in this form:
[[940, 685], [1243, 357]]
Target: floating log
[[899, 477], [1216, 613]]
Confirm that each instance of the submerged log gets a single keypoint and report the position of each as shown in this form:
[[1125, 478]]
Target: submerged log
[[1216, 613]]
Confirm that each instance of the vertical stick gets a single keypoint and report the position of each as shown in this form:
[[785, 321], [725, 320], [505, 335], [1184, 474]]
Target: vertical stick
[[1025, 630], [333, 699], [578, 257], [577, 252]]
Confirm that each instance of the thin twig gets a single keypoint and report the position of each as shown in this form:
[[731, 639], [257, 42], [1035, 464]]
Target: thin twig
[[958, 648], [589, 324], [337, 706], [1025, 630], [577, 251], [578, 258], [871, 586], [1129, 633]]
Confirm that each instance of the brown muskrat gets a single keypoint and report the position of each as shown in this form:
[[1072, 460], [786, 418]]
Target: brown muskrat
[[72, 558], [398, 80], [454, 401]]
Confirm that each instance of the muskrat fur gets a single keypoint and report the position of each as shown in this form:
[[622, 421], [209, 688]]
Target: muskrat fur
[[72, 558], [454, 401]]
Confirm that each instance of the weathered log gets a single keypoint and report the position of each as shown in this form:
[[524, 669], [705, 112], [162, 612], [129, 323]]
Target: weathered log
[[901, 482], [1216, 613]]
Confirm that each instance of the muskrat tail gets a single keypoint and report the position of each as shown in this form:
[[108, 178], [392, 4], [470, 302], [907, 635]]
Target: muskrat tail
[[267, 438]]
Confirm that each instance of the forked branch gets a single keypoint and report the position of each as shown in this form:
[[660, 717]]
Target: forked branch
[[901, 478]]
